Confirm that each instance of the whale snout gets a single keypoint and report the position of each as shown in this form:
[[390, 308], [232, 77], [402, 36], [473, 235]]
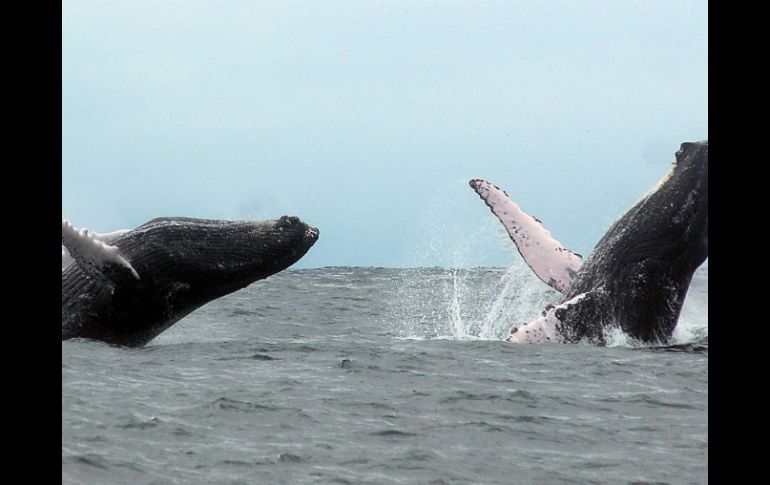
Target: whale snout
[[308, 233], [693, 150], [311, 234]]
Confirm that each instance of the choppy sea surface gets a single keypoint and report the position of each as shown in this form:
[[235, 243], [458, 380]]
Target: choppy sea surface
[[373, 375]]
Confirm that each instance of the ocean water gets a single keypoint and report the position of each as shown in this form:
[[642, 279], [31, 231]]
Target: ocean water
[[372, 375]]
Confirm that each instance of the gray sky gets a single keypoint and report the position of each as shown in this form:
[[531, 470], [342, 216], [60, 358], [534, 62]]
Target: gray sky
[[368, 118]]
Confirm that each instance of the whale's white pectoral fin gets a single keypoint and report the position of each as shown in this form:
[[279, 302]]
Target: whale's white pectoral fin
[[96, 258], [540, 331], [551, 262], [545, 328], [105, 237]]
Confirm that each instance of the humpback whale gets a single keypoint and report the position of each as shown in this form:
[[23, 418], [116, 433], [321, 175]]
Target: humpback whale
[[637, 276], [128, 286]]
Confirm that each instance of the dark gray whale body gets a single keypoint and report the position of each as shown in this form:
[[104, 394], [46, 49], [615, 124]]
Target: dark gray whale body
[[637, 276], [128, 289], [639, 272]]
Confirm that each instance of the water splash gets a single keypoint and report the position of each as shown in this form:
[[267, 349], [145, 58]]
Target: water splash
[[466, 304], [484, 303], [616, 337], [458, 328], [460, 300], [693, 322]]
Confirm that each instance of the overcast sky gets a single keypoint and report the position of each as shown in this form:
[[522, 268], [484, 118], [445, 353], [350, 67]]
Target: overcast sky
[[368, 118]]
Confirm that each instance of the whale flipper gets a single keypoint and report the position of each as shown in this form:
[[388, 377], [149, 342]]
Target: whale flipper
[[551, 262], [105, 237], [66, 259], [96, 258], [551, 326]]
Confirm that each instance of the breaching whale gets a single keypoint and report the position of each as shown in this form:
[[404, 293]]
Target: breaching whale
[[126, 287], [637, 276]]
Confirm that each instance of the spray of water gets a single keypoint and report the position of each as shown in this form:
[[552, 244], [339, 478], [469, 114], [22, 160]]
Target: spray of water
[[466, 303], [445, 295], [693, 322], [483, 304]]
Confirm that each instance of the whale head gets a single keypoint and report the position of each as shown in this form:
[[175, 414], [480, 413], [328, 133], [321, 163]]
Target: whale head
[[192, 261], [681, 201]]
